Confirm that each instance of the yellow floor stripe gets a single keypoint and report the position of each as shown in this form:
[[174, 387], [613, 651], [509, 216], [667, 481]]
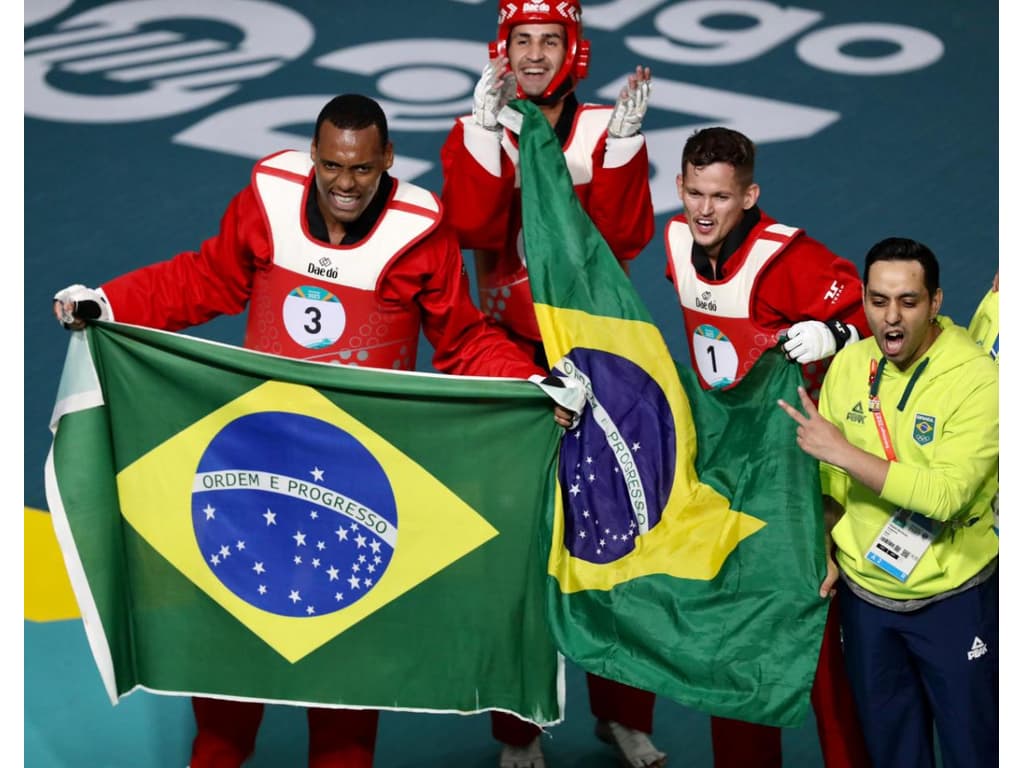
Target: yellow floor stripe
[[48, 595]]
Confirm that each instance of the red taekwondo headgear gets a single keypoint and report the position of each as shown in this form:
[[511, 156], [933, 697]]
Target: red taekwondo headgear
[[565, 12]]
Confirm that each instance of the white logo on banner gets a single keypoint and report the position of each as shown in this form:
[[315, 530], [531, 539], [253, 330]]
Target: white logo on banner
[[147, 72], [136, 70]]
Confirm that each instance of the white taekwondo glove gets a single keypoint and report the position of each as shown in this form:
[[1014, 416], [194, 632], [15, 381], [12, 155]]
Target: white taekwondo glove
[[492, 92], [813, 340], [629, 110], [78, 303], [566, 392]]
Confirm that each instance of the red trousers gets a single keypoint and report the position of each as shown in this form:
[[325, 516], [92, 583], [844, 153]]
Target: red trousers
[[737, 744], [609, 700], [226, 734]]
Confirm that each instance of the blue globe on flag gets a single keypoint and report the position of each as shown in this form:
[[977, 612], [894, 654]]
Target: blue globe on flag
[[293, 514], [616, 468]]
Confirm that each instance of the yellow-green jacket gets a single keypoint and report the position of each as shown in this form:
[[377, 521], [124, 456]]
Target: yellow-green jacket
[[984, 327], [946, 440]]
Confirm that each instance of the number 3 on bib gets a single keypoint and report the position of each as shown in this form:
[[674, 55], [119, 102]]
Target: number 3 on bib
[[314, 317]]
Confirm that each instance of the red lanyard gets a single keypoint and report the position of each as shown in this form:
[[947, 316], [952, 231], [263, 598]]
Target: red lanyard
[[875, 406]]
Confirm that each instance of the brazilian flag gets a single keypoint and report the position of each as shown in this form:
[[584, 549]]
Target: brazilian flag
[[686, 549], [245, 526]]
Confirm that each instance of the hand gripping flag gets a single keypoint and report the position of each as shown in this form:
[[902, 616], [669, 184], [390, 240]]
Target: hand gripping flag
[[686, 545], [244, 526]]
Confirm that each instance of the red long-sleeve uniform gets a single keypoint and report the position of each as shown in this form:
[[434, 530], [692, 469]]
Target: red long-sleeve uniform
[[775, 277], [482, 202], [428, 280]]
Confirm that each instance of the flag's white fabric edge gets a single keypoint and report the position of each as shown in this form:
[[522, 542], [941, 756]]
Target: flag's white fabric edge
[[78, 390], [560, 682], [396, 708], [79, 584], [79, 386]]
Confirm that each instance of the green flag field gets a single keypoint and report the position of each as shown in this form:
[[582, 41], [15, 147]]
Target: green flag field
[[244, 526]]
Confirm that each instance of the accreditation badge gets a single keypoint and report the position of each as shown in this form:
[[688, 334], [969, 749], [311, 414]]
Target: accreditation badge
[[902, 543]]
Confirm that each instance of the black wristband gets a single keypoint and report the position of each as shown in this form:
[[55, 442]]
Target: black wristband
[[87, 309], [840, 331]]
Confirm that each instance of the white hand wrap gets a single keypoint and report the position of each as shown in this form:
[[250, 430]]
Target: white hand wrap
[[76, 296], [629, 111], [809, 341], [813, 340], [490, 95], [565, 391]]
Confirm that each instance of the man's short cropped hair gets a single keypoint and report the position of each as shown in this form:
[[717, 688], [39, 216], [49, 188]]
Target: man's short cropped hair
[[353, 111], [905, 249]]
